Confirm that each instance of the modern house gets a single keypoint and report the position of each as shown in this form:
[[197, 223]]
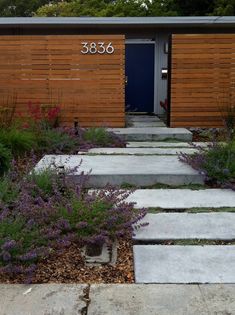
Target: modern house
[[98, 68]]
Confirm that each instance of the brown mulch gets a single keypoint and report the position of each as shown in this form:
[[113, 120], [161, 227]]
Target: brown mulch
[[69, 267], [197, 137]]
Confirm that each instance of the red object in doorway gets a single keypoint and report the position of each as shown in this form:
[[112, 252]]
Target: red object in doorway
[[164, 104]]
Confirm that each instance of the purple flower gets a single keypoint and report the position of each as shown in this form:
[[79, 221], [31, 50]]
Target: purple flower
[[81, 225], [29, 256], [63, 224], [8, 245], [6, 256]]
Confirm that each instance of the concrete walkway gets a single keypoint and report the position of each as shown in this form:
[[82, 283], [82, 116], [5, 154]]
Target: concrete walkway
[[142, 121], [166, 144], [184, 264], [135, 170], [187, 226], [183, 198], [118, 299], [140, 151], [153, 134]]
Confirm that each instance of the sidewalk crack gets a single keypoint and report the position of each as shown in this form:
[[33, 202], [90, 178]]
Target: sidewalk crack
[[86, 298]]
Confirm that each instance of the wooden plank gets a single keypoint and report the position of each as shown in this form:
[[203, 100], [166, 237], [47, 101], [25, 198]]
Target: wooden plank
[[51, 70], [203, 72]]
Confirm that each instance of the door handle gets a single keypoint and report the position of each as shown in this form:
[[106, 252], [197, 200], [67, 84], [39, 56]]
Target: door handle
[[126, 79]]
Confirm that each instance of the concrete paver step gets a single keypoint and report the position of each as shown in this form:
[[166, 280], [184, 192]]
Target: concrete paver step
[[184, 264], [141, 124], [50, 299], [161, 299], [187, 226], [153, 134], [166, 144], [140, 151], [183, 198], [143, 118], [118, 170]]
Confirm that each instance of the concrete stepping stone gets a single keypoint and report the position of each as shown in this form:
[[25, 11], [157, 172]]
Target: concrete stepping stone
[[153, 134], [140, 124], [184, 264], [143, 118], [183, 198], [140, 151], [141, 299], [161, 299], [47, 299], [155, 144], [189, 226], [118, 170]]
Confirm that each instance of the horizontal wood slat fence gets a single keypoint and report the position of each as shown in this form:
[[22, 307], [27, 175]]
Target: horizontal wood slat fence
[[51, 70], [202, 79]]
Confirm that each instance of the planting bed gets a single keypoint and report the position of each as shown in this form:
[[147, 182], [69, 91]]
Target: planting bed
[[68, 266]]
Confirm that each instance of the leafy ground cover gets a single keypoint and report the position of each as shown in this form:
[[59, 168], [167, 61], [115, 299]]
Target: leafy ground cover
[[46, 217], [44, 214], [41, 134], [216, 163]]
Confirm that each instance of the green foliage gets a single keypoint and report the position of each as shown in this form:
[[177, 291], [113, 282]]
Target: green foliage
[[74, 8], [219, 162], [5, 159], [94, 217], [126, 8], [16, 229], [17, 140], [192, 7], [99, 136], [224, 7], [20, 7], [116, 8], [56, 141], [43, 181], [8, 190], [138, 8]]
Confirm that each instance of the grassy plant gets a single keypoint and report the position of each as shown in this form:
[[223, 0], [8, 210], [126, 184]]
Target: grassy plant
[[57, 141], [18, 141], [5, 159], [217, 162], [227, 109], [50, 211], [8, 190], [98, 136]]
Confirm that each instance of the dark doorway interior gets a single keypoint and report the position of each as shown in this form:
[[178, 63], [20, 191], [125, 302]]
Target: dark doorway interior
[[140, 78]]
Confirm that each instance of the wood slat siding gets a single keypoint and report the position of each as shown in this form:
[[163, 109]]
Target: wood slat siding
[[202, 79], [52, 70]]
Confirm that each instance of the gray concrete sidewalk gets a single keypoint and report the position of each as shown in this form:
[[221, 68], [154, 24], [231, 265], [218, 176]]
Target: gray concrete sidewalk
[[153, 134], [118, 170], [120, 299]]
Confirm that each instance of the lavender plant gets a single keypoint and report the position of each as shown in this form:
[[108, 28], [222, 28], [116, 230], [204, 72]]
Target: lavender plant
[[216, 163], [50, 211]]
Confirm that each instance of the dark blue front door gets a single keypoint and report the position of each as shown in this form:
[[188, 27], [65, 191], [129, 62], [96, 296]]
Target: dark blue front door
[[140, 77]]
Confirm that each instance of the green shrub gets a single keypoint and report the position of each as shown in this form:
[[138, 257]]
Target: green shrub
[[5, 159], [45, 182], [98, 136], [219, 162], [56, 141], [18, 141], [8, 190]]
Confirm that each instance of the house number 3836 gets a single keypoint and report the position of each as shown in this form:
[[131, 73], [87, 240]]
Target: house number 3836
[[97, 48]]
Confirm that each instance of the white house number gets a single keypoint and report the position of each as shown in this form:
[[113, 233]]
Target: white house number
[[97, 48]]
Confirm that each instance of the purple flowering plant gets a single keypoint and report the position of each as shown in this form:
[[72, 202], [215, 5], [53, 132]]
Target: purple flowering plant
[[49, 211], [216, 162]]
